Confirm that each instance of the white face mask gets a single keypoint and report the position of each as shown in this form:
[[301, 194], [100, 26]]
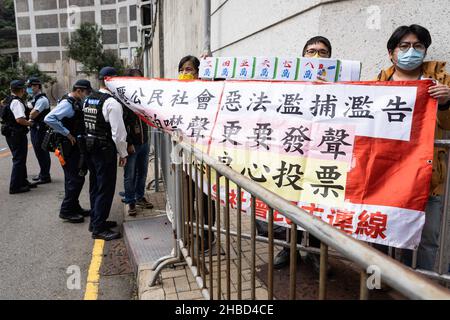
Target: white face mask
[[410, 60]]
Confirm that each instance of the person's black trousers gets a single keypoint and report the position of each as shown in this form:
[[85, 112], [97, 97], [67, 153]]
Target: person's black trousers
[[73, 184], [43, 157], [280, 233], [18, 144], [102, 166], [204, 210]]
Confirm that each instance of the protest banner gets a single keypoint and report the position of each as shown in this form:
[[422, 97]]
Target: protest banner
[[208, 68], [356, 155], [244, 68], [225, 67], [280, 69], [287, 69], [265, 68]]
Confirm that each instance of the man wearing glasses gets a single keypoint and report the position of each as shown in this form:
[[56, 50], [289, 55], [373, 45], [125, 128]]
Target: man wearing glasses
[[317, 47], [407, 49]]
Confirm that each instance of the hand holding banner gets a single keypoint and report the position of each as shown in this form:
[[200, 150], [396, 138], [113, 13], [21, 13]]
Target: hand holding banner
[[356, 155]]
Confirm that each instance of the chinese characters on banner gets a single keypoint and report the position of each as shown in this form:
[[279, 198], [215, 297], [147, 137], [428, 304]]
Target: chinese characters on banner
[[356, 155]]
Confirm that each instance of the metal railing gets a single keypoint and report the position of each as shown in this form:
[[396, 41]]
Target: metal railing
[[195, 209], [444, 220]]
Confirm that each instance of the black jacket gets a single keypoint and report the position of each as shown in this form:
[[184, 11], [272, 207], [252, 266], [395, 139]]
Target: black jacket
[[137, 130]]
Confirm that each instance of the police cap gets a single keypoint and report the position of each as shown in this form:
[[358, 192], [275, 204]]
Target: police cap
[[34, 81], [82, 84], [17, 84], [107, 72]]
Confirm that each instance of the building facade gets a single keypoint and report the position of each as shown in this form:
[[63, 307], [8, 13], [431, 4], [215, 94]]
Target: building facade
[[357, 29], [44, 28]]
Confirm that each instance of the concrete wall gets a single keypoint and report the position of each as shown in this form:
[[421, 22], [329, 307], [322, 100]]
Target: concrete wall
[[358, 29], [183, 32]]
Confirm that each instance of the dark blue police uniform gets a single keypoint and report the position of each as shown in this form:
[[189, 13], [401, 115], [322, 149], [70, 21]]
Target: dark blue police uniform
[[71, 119], [101, 160], [16, 137], [37, 133]]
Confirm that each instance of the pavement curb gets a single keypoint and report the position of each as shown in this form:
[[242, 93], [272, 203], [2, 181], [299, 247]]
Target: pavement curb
[[143, 272], [145, 292], [173, 283]]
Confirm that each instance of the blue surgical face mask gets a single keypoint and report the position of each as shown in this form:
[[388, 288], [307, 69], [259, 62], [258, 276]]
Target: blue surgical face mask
[[30, 91], [410, 60]]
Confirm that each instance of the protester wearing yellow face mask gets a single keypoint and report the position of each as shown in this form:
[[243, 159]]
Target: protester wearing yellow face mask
[[317, 47], [188, 68]]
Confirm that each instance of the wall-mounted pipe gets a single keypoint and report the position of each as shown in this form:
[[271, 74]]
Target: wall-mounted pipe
[[160, 4], [207, 27]]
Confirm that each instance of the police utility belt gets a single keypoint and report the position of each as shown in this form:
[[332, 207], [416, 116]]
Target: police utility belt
[[11, 131], [95, 143], [53, 141]]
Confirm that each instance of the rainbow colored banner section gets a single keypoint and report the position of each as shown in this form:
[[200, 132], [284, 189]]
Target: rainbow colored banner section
[[356, 155]]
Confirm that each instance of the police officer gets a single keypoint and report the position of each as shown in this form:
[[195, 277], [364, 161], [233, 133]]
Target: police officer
[[67, 121], [40, 107], [15, 128], [105, 137]]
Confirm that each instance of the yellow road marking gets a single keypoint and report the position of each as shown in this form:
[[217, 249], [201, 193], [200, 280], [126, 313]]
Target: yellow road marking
[[93, 278]]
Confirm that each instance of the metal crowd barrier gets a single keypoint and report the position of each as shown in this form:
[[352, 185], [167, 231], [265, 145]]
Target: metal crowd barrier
[[186, 175], [155, 156], [161, 154], [444, 261]]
